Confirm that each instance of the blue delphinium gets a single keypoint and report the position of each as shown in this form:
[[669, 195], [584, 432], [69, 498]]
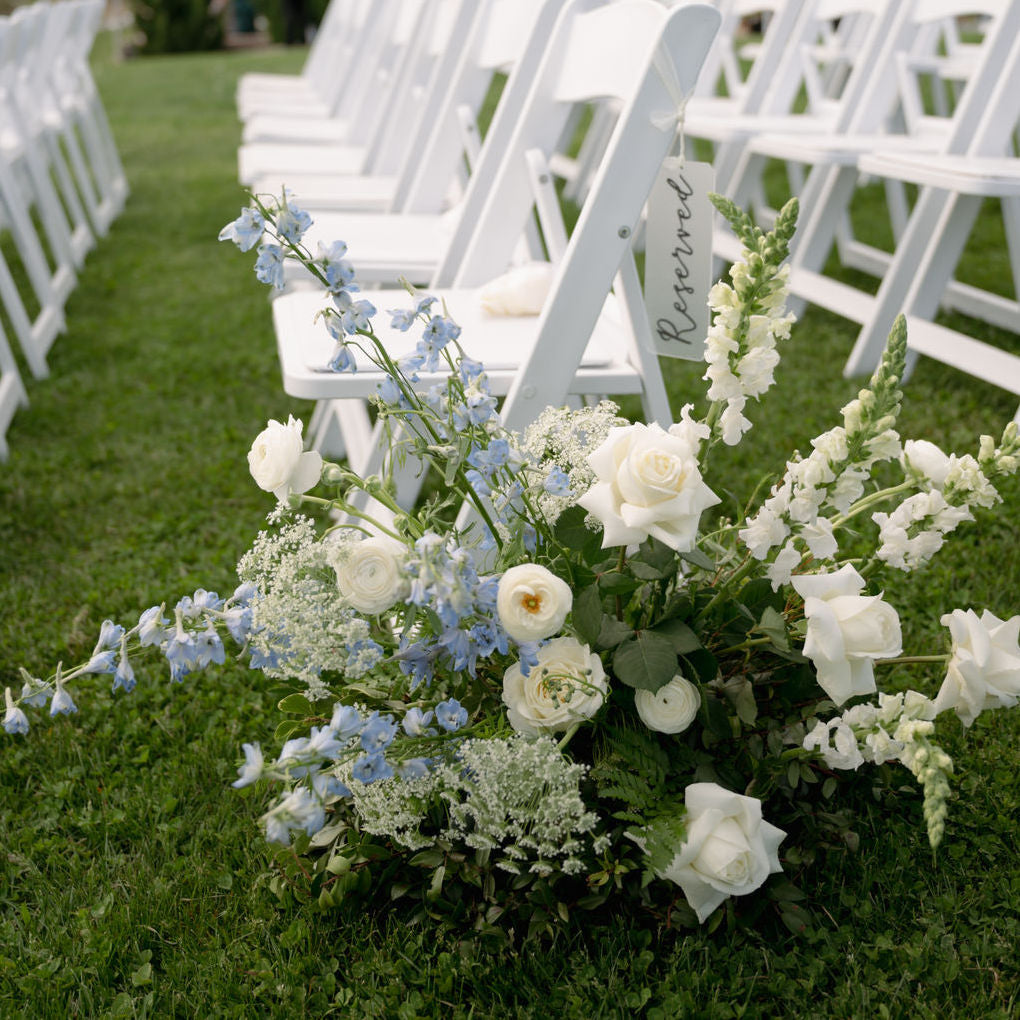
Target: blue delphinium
[[246, 230], [292, 222], [124, 677], [378, 733], [403, 318], [269, 265], [103, 655], [416, 723], [370, 768], [15, 720], [152, 626], [339, 273], [62, 703], [252, 768], [451, 715]]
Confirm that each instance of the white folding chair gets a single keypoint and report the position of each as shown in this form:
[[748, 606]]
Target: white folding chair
[[372, 115], [75, 110], [502, 33], [978, 163], [326, 68], [583, 342], [12, 390]]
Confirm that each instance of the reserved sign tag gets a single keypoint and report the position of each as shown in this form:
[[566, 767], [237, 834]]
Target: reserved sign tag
[[678, 258]]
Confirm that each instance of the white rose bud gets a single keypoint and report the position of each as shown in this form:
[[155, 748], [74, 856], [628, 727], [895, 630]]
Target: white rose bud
[[369, 574], [532, 602], [567, 686], [729, 850], [671, 709], [278, 461], [984, 668], [846, 631], [648, 483]]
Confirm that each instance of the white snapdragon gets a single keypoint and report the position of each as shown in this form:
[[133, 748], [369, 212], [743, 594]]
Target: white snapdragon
[[740, 349]]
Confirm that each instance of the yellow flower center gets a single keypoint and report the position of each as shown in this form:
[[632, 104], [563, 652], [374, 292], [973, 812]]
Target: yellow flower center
[[531, 603]]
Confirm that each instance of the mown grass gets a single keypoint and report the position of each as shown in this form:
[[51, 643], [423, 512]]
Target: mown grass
[[134, 880]]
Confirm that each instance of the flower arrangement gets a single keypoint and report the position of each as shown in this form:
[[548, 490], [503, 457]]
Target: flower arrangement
[[572, 673]]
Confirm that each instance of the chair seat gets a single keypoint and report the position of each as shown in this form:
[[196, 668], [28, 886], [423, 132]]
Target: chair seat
[[259, 159], [298, 130], [726, 128], [300, 97], [501, 343], [333, 192], [971, 175], [839, 148], [382, 247]]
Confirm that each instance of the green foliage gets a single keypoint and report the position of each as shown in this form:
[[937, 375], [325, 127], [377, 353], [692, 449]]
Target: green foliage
[[178, 26]]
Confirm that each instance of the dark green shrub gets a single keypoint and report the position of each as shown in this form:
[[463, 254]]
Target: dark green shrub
[[177, 26]]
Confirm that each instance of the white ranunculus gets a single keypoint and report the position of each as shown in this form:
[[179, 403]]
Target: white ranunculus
[[532, 602], [567, 686], [672, 708], [648, 483], [846, 631], [370, 573], [984, 668], [729, 850], [278, 461], [925, 458]]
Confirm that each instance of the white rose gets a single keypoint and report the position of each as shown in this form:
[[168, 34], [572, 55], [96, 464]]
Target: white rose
[[648, 484], [532, 602], [370, 573], [984, 668], [846, 631], [278, 461], [671, 709], [925, 459], [567, 686], [729, 850]]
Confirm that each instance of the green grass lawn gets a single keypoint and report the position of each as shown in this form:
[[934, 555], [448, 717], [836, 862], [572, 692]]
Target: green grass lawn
[[135, 881]]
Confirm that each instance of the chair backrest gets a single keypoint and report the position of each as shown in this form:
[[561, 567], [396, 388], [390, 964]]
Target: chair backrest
[[506, 36], [646, 57]]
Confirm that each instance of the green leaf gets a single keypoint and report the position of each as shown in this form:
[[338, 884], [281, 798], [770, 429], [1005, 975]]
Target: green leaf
[[296, 704], [702, 665], [679, 634], [587, 614], [773, 625], [612, 632], [571, 532], [714, 717], [697, 559], [614, 582], [288, 727], [646, 571], [646, 661]]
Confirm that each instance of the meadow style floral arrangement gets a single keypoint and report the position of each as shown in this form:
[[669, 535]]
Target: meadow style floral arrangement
[[595, 684]]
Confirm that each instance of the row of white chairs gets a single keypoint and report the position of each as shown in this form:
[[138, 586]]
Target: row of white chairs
[[59, 168], [384, 151]]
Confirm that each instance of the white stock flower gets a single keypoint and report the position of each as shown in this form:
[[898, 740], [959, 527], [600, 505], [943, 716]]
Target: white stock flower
[[670, 709], [532, 602], [846, 631], [729, 850], [567, 686], [648, 483], [370, 573], [278, 461], [984, 668]]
